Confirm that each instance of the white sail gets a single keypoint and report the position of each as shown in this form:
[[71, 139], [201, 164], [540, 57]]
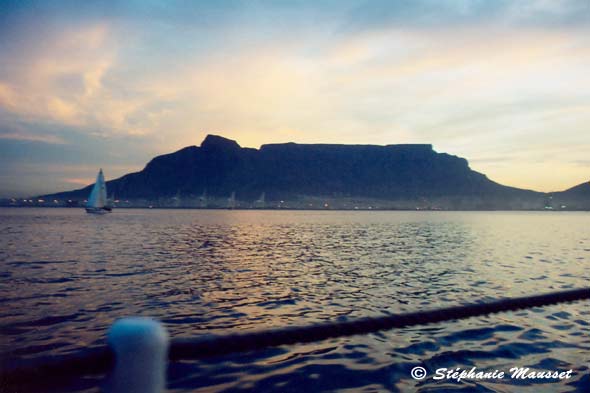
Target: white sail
[[98, 196], [231, 202]]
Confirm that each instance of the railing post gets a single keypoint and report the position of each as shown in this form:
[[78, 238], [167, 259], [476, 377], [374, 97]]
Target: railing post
[[141, 351]]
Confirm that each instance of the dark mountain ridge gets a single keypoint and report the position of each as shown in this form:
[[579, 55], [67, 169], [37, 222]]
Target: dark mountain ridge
[[409, 175]]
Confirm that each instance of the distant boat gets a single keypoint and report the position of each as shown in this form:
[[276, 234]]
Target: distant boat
[[97, 201], [231, 202], [203, 199], [260, 202]]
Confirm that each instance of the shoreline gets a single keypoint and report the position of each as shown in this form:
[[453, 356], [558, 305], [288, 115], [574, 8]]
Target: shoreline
[[300, 209]]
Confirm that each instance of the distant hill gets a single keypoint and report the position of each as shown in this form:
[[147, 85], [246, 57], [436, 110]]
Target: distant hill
[[392, 176], [576, 198]]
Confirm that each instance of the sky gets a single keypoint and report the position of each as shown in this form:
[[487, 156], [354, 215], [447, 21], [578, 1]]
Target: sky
[[83, 85]]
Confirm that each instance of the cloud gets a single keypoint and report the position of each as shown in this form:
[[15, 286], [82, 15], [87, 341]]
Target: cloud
[[60, 82], [79, 181], [437, 14], [29, 179], [475, 78], [51, 139]]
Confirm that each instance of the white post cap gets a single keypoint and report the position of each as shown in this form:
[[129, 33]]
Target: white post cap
[[141, 351]]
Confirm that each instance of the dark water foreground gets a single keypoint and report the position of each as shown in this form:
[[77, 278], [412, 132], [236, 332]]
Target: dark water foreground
[[65, 276]]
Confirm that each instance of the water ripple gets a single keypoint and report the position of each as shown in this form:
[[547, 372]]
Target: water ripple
[[65, 277]]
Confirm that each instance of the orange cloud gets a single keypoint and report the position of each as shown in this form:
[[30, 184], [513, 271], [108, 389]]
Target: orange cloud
[[79, 181]]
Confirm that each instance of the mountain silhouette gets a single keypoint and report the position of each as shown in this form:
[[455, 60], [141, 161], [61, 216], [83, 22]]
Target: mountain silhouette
[[406, 175]]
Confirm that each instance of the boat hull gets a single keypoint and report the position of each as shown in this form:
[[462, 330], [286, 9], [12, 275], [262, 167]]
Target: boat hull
[[98, 210]]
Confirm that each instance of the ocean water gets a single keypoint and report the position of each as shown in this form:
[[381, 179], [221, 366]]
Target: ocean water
[[65, 276]]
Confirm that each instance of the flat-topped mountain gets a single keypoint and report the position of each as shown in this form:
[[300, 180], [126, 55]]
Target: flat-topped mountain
[[407, 176]]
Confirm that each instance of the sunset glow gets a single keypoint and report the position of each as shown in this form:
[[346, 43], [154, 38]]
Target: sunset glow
[[505, 85]]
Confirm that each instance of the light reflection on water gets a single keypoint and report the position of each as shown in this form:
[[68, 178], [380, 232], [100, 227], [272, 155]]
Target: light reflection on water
[[65, 276]]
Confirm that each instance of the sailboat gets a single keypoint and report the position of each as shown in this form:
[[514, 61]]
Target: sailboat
[[97, 201], [231, 202], [260, 203]]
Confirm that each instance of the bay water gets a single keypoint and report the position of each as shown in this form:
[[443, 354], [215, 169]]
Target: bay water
[[66, 276]]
